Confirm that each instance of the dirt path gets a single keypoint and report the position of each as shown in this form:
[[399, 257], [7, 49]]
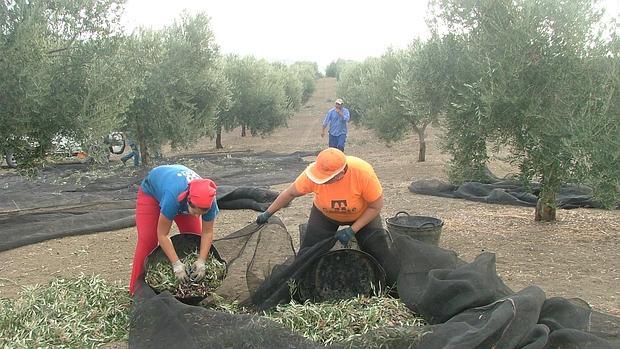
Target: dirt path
[[578, 256]]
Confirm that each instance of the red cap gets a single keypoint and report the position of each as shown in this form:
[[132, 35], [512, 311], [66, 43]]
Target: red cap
[[201, 193]]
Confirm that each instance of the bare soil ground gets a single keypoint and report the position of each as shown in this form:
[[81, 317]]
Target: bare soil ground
[[577, 256]]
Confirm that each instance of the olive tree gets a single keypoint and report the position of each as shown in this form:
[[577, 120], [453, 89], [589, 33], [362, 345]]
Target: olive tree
[[373, 95], [335, 68], [307, 73], [465, 126], [421, 87], [352, 88], [259, 99], [53, 54], [293, 87], [402, 91], [533, 90], [180, 86], [91, 90]]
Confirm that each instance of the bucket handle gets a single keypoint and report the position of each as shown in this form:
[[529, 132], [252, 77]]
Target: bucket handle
[[408, 215], [399, 212]]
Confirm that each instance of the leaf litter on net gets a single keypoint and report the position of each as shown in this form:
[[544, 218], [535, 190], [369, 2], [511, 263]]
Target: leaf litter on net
[[347, 320], [160, 277], [82, 312], [87, 311]]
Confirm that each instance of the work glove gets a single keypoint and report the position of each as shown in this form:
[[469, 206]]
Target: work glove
[[198, 271], [179, 271], [263, 218], [345, 235]]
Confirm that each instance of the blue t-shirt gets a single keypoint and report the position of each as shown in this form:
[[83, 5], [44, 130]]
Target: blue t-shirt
[[165, 183], [337, 124]]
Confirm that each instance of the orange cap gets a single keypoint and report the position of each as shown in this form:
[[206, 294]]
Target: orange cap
[[328, 164], [200, 192]]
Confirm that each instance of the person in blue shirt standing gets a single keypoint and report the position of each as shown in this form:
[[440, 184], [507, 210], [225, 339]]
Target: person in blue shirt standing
[[173, 193], [337, 119]]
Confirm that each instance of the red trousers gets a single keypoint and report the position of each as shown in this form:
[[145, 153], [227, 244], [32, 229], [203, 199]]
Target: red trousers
[[147, 217]]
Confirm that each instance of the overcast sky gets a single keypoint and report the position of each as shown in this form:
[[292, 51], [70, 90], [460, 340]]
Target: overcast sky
[[318, 30]]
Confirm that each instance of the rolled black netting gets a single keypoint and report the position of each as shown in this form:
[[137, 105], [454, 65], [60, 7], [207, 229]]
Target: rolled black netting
[[257, 199], [472, 308], [466, 304], [506, 192]]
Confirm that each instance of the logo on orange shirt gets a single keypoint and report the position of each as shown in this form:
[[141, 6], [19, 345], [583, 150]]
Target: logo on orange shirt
[[339, 205]]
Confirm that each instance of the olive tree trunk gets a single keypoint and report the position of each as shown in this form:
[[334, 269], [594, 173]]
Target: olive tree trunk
[[218, 138], [421, 136], [545, 207], [145, 157]]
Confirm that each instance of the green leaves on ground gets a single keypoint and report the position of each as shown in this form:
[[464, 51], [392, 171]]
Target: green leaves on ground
[[83, 312], [160, 277], [346, 320], [87, 311]]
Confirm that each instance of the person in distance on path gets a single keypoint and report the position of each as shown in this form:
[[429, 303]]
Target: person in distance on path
[[336, 119]]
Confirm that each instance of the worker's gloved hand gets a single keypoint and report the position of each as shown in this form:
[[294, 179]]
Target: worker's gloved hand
[[198, 270], [345, 235], [179, 271], [263, 218]]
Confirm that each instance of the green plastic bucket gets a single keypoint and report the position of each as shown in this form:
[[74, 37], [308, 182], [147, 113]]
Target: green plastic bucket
[[422, 228]]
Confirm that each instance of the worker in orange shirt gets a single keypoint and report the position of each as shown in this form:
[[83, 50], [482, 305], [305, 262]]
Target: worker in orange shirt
[[347, 193]]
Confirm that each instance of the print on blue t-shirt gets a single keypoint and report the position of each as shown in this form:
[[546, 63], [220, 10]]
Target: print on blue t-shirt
[[165, 183]]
